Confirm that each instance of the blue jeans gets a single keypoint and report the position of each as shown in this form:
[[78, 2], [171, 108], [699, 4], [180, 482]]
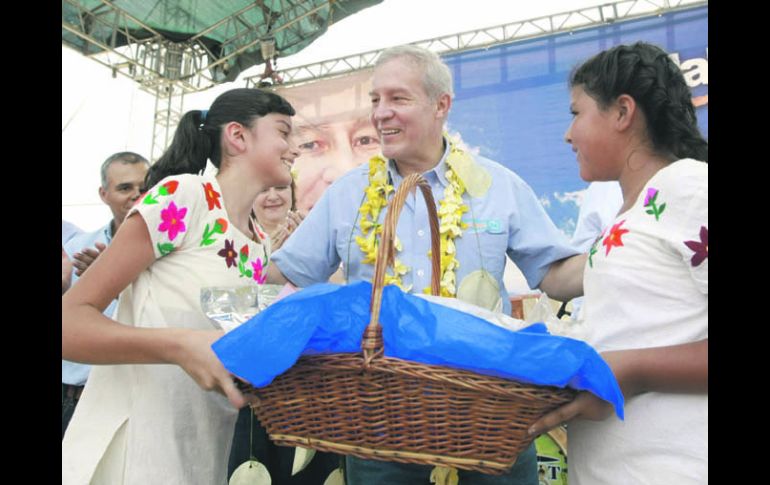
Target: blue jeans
[[371, 472], [68, 404]]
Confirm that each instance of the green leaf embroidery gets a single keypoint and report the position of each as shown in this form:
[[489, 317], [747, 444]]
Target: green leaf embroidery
[[162, 190], [207, 240], [165, 248], [650, 211], [662, 208], [242, 269], [244, 258], [149, 200]]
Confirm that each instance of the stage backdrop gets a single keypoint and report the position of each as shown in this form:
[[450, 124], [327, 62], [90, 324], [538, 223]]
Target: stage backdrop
[[511, 105]]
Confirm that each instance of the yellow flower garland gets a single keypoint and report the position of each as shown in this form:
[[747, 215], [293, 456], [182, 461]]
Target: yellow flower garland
[[451, 209]]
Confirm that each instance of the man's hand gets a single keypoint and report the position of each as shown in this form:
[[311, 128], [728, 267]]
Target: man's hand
[[66, 271], [86, 257]]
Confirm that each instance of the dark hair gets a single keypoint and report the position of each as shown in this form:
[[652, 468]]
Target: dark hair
[[123, 157], [646, 73], [197, 137]]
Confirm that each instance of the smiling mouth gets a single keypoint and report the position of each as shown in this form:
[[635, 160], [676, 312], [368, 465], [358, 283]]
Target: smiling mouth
[[389, 131]]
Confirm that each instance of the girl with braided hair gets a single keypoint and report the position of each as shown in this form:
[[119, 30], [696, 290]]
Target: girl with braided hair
[[646, 278]]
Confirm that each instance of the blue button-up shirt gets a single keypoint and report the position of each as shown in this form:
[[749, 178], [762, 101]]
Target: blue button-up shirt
[[507, 220], [72, 373]]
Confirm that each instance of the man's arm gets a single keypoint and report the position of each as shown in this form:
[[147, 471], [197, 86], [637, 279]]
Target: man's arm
[[564, 279], [274, 276]]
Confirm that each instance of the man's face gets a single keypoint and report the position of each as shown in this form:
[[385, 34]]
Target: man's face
[[124, 181], [406, 119], [328, 149]]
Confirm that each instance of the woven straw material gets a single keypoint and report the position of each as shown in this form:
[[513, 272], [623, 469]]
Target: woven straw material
[[382, 408]]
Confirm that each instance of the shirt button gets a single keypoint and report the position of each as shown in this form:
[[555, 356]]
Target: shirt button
[[421, 233], [420, 273]]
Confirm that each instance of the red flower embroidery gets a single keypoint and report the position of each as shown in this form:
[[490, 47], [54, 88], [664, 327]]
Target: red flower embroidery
[[221, 226], [212, 196], [701, 247], [170, 187], [614, 238]]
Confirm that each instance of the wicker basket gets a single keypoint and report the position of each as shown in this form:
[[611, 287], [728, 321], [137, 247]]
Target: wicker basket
[[375, 407]]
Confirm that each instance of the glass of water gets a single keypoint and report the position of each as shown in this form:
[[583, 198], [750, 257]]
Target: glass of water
[[229, 306]]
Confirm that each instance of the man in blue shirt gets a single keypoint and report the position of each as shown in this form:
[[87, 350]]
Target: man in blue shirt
[[122, 177], [411, 97]]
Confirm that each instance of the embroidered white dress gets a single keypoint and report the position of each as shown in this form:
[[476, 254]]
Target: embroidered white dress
[[152, 424], [646, 285]]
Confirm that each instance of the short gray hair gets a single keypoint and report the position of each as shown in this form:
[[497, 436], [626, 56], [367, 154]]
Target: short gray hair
[[123, 157], [437, 79]]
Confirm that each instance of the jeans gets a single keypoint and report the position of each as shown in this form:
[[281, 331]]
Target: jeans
[[369, 472], [68, 404]]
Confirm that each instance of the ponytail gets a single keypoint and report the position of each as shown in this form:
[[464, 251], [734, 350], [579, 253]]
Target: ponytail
[[188, 152]]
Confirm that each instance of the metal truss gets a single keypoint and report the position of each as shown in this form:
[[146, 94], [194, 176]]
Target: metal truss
[[114, 38], [490, 36], [143, 54]]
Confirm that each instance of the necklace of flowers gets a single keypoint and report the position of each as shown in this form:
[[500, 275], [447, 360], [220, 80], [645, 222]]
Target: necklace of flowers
[[450, 211]]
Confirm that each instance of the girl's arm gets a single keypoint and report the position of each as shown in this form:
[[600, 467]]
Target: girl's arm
[[90, 337], [676, 369]]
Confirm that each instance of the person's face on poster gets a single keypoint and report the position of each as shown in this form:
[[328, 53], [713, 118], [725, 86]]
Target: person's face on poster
[[327, 149]]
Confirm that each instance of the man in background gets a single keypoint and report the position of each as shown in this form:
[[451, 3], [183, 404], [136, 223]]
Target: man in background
[[122, 177]]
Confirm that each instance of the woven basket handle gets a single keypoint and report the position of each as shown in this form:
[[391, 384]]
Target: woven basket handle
[[372, 340]]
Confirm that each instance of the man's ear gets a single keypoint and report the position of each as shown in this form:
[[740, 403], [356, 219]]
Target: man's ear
[[102, 194], [627, 112], [234, 137], [443, 104]]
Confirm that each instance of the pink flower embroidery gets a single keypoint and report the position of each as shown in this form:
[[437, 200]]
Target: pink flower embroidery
[[258, 276], [172, 220]]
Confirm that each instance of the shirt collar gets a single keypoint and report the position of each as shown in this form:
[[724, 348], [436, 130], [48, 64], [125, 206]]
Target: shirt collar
[[107, 230], [439, 170]]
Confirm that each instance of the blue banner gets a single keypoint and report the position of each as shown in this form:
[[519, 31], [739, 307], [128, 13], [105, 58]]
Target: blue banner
[[512, 101]]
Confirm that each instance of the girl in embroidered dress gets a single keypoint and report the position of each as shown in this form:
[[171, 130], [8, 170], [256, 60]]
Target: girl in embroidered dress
[[154, 422], [646, 279]]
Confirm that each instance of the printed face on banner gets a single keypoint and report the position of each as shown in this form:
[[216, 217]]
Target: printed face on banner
[[332, 132]]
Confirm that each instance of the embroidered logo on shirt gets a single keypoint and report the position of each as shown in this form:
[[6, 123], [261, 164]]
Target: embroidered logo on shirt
[[491, 226]]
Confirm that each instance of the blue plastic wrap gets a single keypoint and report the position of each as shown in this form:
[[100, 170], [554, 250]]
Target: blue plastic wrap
[[328, 318]]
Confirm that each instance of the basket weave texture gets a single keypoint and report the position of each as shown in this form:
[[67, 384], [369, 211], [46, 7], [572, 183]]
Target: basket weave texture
[[383, 408]]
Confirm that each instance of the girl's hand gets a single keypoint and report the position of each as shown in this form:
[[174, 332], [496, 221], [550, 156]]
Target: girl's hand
[[584, 406], [195, 356]]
